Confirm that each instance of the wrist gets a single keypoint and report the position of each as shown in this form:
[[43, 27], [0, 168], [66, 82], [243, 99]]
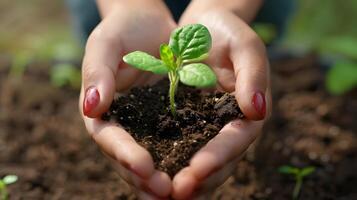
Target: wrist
[[244, 9], [108, 6]]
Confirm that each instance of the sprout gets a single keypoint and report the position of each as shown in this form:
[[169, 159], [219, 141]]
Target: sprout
[[4, 182], [298, 174], [188, 45]]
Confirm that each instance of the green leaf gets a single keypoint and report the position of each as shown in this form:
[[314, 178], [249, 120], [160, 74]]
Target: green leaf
[[202, 57], [306, 171], [146, 62], [342, 77], [167, 56], [9, 179], [190, 41], [288, 170], [198, 75]]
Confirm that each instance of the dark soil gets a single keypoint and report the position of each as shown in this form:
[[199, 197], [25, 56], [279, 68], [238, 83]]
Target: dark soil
[[44, 142], [172, 141]]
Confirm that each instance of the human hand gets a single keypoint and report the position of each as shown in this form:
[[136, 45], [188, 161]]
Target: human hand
[[239, 60], [125, 28]]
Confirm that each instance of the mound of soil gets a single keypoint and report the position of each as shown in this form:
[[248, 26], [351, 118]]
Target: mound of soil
[[172, 141]]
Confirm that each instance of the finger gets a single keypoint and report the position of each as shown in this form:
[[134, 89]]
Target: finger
[[100, 65], [125, 173], [159, 184], [252, 74], [216, 179], [184, 184], [141, 195], [230, 143], [269, 102], [118, 144]]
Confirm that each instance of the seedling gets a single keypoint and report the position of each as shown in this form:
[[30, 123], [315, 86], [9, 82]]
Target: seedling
[[187, 46], [4, 182], [298, 174]]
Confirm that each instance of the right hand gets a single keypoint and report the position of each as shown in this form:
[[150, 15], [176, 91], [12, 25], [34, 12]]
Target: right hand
[[125, 28]]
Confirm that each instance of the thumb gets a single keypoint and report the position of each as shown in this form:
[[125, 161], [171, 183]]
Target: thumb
[[100, 65], [252, 74]]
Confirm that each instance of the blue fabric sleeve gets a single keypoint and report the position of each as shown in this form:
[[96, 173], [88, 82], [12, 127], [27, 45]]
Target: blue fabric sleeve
[[85, 17], [276, 12]]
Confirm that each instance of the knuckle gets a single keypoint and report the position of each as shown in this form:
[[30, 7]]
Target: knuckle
[[100, 36], [253, 38], [89, 73], [260, 72]]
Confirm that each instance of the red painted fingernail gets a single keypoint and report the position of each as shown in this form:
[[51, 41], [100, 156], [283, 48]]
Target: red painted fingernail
[[91, 100], [259, 104]]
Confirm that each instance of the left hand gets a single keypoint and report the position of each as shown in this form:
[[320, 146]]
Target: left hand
[[239, 60]]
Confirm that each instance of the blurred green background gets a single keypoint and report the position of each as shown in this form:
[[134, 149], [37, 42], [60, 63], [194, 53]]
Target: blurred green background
[[42, 31]]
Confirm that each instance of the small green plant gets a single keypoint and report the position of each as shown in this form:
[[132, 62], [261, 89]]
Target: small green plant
[[188, 45], [299, 174], [4, 182]]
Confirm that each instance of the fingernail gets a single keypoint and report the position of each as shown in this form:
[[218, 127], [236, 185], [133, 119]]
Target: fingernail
[[91, 100], [258, 102]]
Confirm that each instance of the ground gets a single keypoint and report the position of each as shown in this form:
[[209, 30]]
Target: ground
[[43, 140]]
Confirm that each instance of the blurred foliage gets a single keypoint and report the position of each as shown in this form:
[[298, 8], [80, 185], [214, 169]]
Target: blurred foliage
[[342, 46], [317, 20], [328, 27], [65, 74], [267, 32], [57, 46], [39, 31], [342, 77], [19, 63]]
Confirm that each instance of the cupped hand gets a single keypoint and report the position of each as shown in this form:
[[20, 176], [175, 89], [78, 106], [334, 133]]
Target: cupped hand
[[123, 29], [240, 62]]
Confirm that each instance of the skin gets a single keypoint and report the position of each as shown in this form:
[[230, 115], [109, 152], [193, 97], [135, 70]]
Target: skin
[[238, 57]]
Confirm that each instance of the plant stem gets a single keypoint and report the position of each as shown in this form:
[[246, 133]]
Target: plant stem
[[174, 78], [173, 85], [297, 187], [3, 191], [4, 195]]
